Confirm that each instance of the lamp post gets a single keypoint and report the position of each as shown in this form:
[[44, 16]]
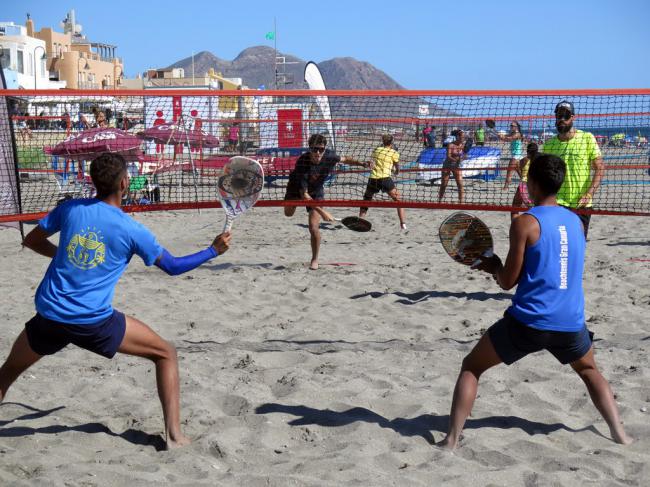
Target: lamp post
[[115, 68], [43, 58], [86, 68]]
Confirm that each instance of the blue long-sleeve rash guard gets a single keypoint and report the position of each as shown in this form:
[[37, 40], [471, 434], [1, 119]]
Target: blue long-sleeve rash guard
[[178, 265]]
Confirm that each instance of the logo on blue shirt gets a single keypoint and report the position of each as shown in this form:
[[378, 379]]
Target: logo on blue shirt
[[86, 249]]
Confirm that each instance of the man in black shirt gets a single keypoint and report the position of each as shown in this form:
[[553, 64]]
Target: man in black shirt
[[306, 183]]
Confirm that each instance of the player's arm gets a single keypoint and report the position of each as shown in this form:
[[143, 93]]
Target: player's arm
[[522, 231], [354, 162], [449, 156], [599, 171], [179, 265], [37, 240]]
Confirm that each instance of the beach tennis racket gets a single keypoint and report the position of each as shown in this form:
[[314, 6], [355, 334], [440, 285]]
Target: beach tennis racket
[[466, 238], [239, 187], [468, 145], [355, 223]]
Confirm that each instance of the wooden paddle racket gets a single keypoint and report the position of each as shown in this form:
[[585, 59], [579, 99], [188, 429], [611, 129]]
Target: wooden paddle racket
[[239, 187], [466, 238]]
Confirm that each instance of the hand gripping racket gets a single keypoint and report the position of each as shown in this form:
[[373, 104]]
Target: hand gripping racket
[[466, 238], [239, 187]]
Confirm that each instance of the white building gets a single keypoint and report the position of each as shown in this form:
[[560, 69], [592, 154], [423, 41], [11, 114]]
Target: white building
[[25, 59]]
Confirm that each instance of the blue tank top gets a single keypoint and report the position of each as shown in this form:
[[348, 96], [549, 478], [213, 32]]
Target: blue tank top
[[549, 295]]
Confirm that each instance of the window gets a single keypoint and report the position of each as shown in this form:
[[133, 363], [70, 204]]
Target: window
[[20, 67], [30, 65], [5, 58]]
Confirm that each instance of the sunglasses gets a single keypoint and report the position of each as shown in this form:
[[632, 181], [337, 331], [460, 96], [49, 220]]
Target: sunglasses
[[564, 115], [320, 150]]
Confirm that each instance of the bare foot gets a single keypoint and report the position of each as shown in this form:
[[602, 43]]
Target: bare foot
[[621, 437], [177, 442], [447, 444], [314, 265]]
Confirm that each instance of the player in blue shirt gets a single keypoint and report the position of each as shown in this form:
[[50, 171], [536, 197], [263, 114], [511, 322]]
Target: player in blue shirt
[[545, 261], [73, 301]]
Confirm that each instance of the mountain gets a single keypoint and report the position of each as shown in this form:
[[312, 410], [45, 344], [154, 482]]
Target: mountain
[[346, 73], [256, 66]]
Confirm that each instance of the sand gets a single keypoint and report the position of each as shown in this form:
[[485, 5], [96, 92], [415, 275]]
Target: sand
[[337, 377]]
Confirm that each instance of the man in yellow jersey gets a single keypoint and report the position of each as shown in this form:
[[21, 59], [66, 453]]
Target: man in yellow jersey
[[581, 153], [385, 159]]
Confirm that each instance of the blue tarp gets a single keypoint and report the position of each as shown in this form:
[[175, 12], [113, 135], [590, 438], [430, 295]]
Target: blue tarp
[[477, 157], [437, 156]]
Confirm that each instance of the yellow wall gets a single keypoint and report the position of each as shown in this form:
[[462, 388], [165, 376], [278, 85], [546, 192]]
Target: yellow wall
[[63, 56]]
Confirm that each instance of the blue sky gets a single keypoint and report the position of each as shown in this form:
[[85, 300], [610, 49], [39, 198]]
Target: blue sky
[[421, 44]]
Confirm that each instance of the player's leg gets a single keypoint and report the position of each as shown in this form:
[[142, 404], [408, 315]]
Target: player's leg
[[458, 176], [314, 233], [480, 359], [443, 184], [394, 194], [517, 200], [367, 196], [20, 358], [601, 395], [142, 341]]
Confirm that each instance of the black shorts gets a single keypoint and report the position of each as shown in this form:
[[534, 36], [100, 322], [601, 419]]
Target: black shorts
[[375, 185], [47, 337], [513, 340], [585, 219], [449, 164], [293, 193]]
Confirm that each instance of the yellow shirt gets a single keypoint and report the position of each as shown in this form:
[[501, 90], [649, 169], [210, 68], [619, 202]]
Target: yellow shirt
[[383, 158], [578, 153], [524, 171]]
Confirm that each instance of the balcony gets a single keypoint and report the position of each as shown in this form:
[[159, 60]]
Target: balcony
[[88, 85]]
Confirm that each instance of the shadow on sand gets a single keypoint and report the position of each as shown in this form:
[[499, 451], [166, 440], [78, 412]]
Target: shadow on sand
[[421, 426], [131, 435]]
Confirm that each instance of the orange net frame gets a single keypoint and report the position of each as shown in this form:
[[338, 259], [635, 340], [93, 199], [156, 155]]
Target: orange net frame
[[273, 127]]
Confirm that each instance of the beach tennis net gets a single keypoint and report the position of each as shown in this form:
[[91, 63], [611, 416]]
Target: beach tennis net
[[177, 141]]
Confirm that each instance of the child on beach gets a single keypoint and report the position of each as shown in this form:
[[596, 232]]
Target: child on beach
[[73, 301], [545, 261]]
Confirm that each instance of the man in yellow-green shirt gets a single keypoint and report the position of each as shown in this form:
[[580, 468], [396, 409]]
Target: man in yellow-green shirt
[[385, 159], [581, 154]]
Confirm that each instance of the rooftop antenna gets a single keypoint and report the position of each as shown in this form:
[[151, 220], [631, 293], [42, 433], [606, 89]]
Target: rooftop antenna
[[282, 78]]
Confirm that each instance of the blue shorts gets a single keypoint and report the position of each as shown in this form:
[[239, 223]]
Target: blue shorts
[[513, 340], [46, 337]]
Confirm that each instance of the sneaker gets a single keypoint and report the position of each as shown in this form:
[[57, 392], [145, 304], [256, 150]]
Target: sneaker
[[402, 226]]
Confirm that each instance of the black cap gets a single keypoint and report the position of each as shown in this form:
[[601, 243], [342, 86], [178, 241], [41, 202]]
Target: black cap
[[565, 105]]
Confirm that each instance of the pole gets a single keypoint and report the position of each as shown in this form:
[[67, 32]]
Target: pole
[[275, 54], [192, 68], [34, 60]]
